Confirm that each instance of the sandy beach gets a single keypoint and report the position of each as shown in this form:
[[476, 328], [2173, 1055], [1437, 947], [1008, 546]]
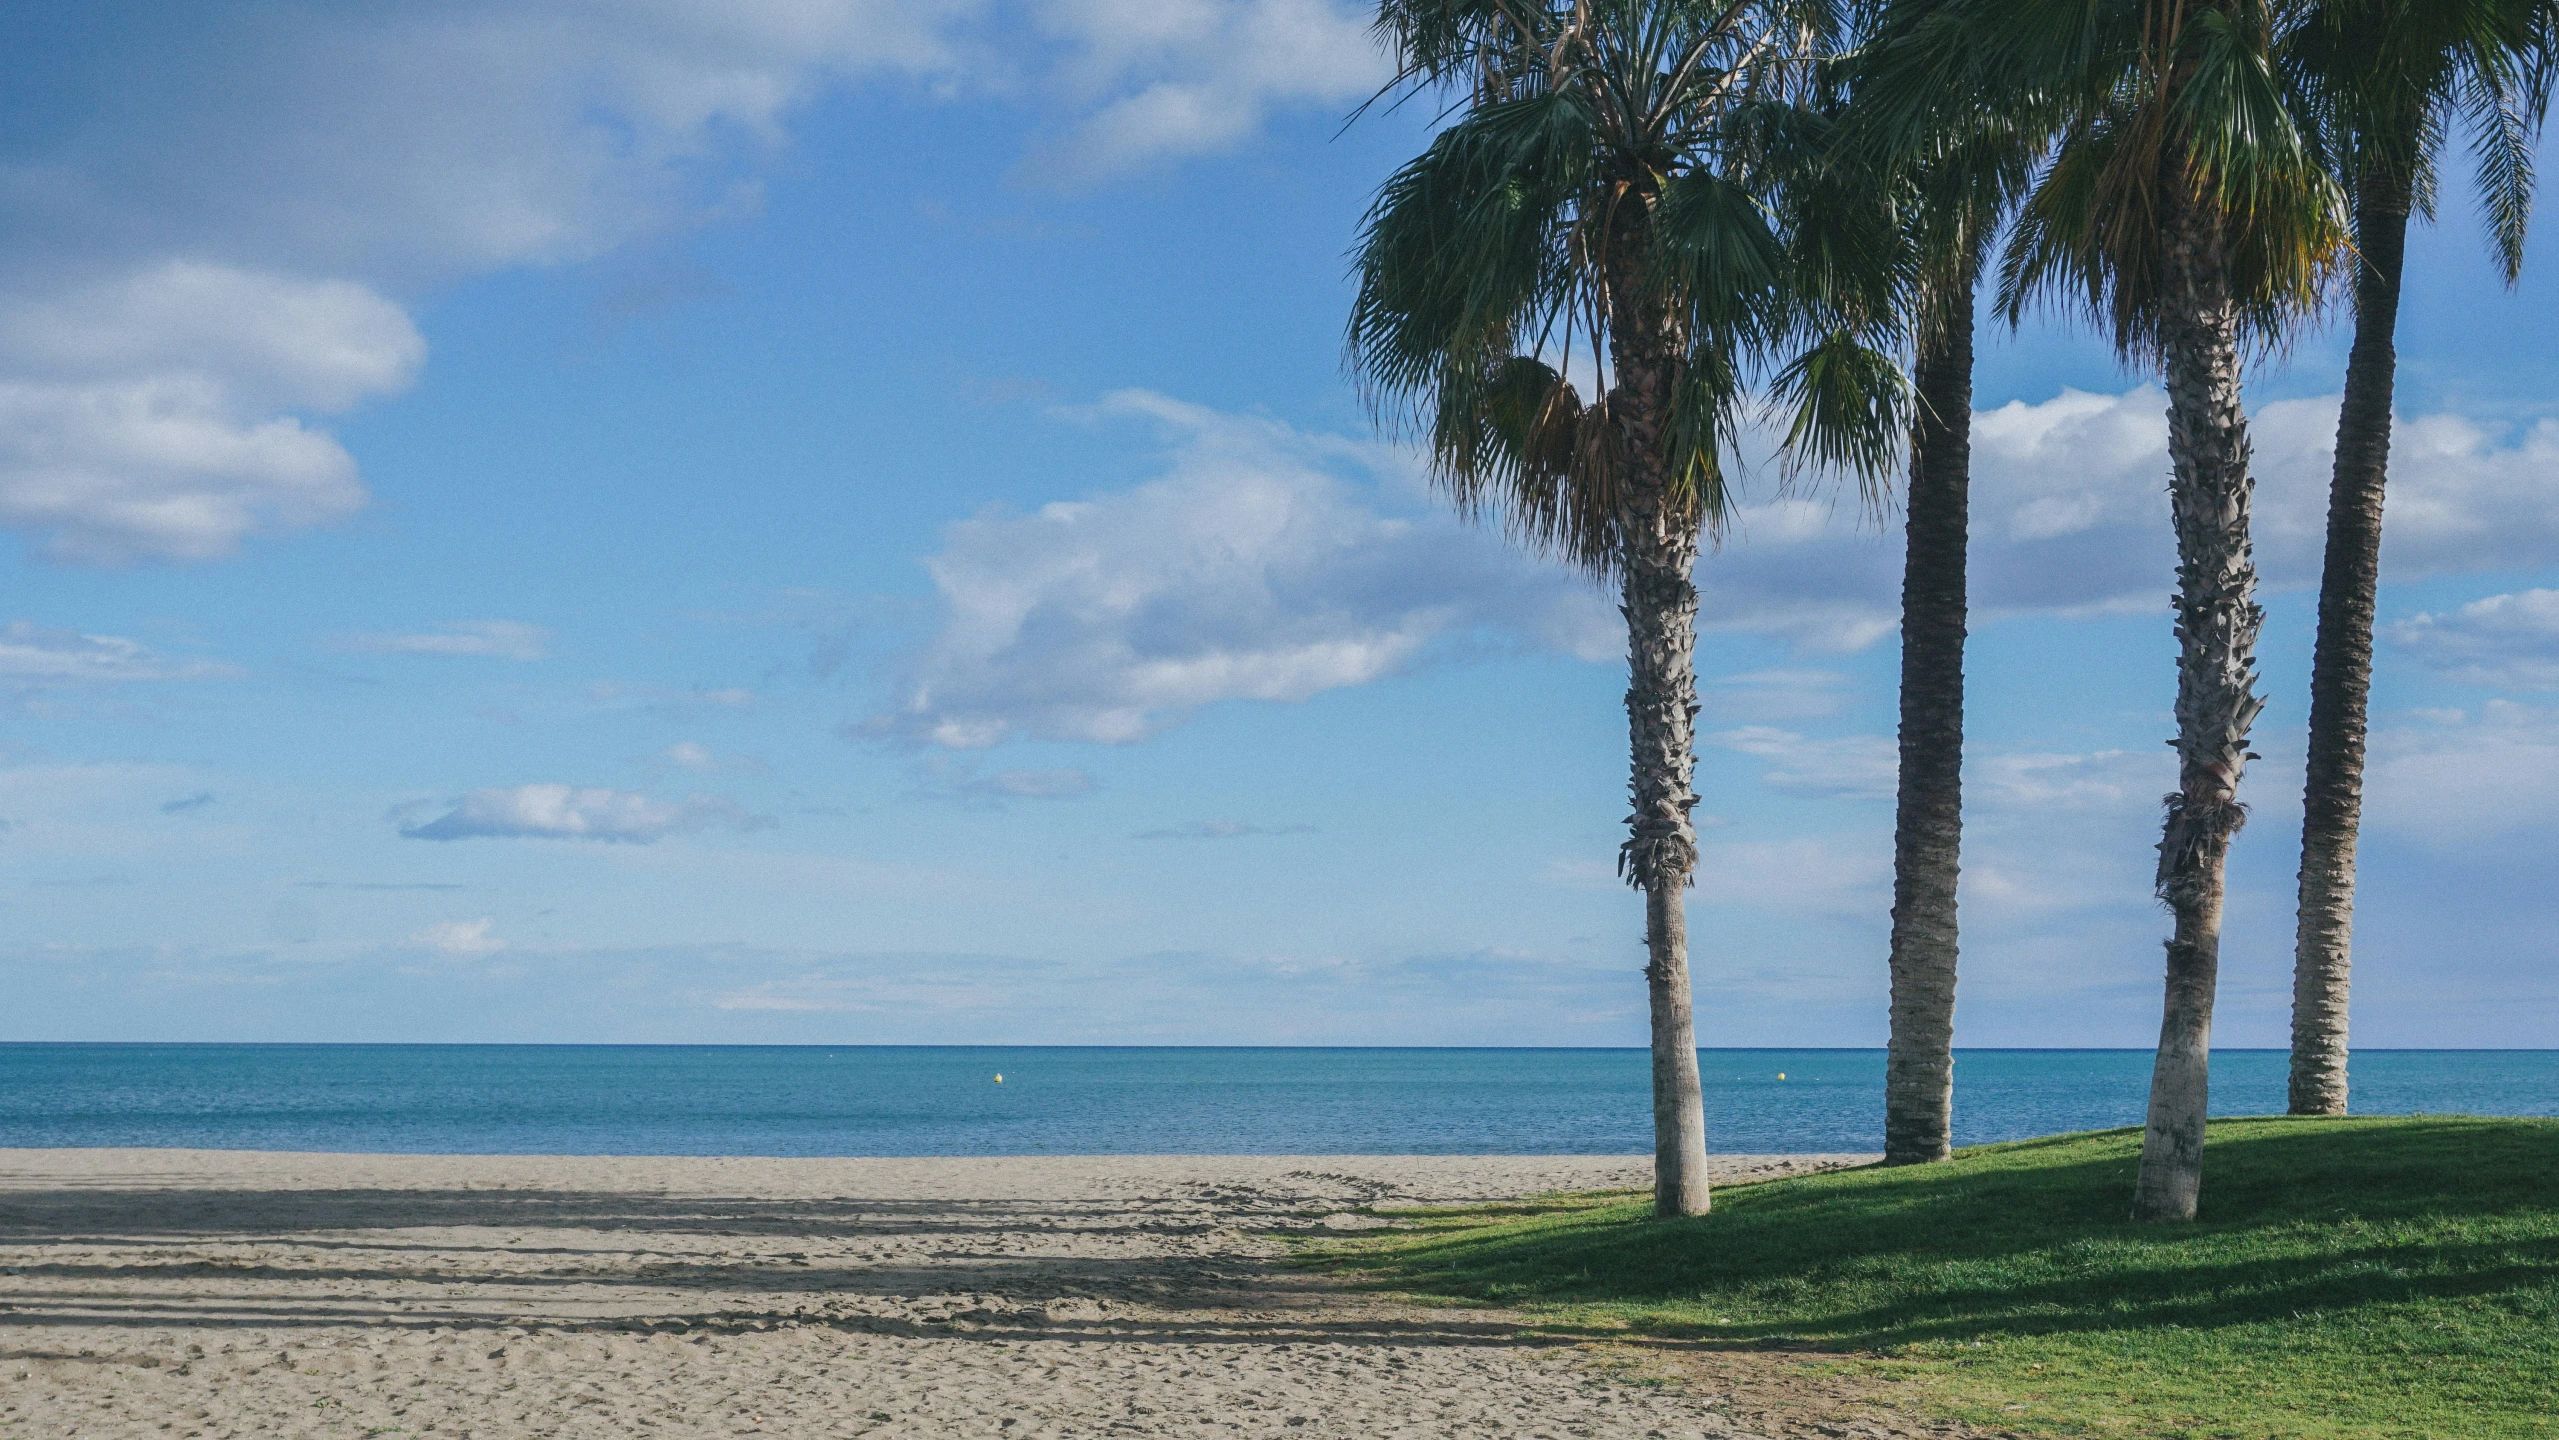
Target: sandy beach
[[220, 1293]]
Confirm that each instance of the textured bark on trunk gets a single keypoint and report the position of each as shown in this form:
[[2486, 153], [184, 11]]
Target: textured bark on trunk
[[1657, 551], [2217, 624], [1928, 823], [2341, 670], [1661, 846]]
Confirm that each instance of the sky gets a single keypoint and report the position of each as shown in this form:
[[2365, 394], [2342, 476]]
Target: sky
[[829, 521]]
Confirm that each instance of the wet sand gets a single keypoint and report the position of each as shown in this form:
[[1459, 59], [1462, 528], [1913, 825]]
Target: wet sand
[[229, 1293]]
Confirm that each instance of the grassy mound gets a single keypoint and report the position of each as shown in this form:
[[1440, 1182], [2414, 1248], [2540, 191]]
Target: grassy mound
[[2383, 1277]]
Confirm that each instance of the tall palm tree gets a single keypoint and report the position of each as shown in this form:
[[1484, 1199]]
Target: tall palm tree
[[2384, 78], [1955, 197], [1928, 810], [1607, 196], [2183, 208]]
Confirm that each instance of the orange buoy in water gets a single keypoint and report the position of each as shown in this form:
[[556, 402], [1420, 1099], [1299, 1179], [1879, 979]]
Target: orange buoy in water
[[1780, 1075], [999, 1079]]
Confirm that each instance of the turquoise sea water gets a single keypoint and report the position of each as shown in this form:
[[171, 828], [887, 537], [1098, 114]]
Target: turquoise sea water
[[752, 1100]]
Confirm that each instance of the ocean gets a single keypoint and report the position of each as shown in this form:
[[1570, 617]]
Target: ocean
[[1076, 1100]]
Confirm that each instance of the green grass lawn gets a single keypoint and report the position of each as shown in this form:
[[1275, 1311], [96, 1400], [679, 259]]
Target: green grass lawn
[[2384, 1277]]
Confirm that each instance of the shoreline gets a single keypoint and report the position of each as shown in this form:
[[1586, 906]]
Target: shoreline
[[1629, 1157], [1422, 1178]]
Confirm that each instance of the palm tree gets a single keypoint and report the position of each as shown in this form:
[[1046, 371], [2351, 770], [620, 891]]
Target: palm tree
[[1605, 196], [1928, 812], [1956, 197], [2384, 77], [2184, 209]]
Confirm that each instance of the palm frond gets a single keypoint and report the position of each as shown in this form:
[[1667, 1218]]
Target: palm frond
[[1847, 408], [1611, 162]]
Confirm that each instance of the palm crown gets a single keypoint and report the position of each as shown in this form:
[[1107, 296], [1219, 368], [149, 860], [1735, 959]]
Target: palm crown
[[1616, 189], [2155, 110], [2379, 82]]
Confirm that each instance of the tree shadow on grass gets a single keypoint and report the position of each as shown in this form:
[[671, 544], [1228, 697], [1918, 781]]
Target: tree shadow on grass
[[2032, 1237]]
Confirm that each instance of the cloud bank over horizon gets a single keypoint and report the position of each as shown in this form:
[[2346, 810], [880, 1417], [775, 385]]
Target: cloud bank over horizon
[[1268, 563]]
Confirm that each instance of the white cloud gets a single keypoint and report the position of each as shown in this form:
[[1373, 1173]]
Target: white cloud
[[2047, 833], [696, 756], [2070, 515], [1821, 875], [137, 411], [2466, 780], [208, 253], [1159, 80], [2043, 833], [460, 937], [217, 247], [1849, 767], [32, 654], [1767, 695], [2101, 780], [421, 141], [262, 338], [502, 639], [159, 468], [1251, 571], [575, 812], [2508, 641], [2464, 495], [1261, 567]]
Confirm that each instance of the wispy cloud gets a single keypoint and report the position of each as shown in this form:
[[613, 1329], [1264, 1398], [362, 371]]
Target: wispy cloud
[[32, 654], [1256, 569], [1221, 830], [1854, 767], [574, 812], [498, 639], [460, 937], [2510, 642], [702, 759], [1162, 80], [1031, 784], [1767, 695], [2467, 780], [944, 777]]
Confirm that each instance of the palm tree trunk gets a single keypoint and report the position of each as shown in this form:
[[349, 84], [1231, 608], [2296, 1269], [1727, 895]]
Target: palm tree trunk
[[1661, 848], [2217, 624], [1928, 823], [1657, 553], [2341, 670]]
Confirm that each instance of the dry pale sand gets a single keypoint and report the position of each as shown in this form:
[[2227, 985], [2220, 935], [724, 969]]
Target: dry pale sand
[[219, 1293]]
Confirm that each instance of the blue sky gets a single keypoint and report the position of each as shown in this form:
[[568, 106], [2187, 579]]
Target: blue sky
[[835, 522]]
